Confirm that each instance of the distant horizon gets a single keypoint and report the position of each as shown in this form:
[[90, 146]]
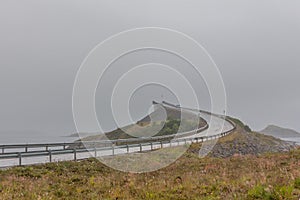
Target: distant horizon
[[43, 44], [20, 131]]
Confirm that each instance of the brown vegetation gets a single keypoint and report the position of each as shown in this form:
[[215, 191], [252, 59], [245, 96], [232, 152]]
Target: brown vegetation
[[270, 176]]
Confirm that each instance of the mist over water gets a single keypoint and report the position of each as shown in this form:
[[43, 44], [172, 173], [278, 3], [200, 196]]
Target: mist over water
[[23, 137], [255, 44], [294, 139]]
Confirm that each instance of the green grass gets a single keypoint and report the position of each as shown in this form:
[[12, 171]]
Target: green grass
[[278, 192], [240, 124], [244, 177], [268, 176], [171, 126], [297, 183]]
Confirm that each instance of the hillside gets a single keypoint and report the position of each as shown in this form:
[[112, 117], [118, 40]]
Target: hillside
[[243, 141], [265, 168], [279, 132], [171, 126], [271, 176]]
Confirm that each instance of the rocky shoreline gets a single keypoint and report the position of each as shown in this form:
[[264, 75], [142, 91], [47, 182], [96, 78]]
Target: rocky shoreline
[[242, 142]]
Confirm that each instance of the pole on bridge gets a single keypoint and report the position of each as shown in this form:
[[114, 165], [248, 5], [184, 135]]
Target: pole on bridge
[[141, 147], [95, 152], [75, 155], [50, 156], [127, 147], [20, 158]]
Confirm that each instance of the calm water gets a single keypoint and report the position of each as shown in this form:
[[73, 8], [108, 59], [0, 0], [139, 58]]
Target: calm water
[[294, 139], [35, 137], [23, 138]]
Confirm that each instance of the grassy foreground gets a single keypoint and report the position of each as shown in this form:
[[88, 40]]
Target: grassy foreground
[[270, 176]]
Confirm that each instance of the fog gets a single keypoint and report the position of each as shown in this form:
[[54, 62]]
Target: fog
[[254, 43]]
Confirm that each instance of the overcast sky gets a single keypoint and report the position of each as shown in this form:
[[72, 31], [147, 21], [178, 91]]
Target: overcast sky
[[255, 44]]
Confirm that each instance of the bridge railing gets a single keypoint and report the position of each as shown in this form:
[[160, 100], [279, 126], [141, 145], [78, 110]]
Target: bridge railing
[[111, 149], [47, 146], [108, 145]]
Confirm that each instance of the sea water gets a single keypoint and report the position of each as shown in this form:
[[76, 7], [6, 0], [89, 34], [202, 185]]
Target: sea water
[[292, 139]]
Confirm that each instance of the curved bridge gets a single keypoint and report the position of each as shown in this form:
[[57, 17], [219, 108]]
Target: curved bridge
[[27, 154]]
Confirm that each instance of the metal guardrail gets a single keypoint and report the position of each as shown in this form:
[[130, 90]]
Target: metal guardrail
[[64, 146], [203, 111], [26, 147], [142, 142], [74, 152]]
